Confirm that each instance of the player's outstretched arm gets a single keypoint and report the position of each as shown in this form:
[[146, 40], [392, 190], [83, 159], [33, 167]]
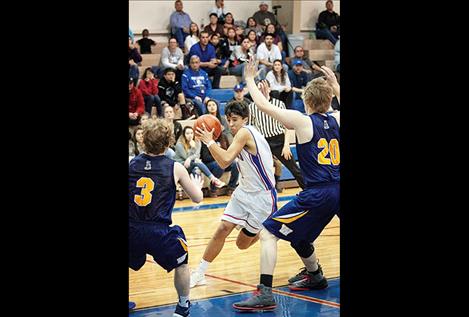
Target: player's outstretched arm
[[192, 185], [223, 157], [291, 119], [331, 80]]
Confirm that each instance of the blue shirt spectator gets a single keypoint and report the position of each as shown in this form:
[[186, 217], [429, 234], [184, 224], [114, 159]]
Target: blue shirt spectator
[[180, 23], [196, 85]]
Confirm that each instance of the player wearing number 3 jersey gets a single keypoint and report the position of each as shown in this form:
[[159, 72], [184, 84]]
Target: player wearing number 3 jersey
[[152, 194]]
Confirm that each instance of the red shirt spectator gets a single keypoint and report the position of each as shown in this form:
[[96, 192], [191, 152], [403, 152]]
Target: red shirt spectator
[[148, 86], [136, 103]]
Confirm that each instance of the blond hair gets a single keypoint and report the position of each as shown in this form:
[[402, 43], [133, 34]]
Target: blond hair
[[157, 136], [318, 95]]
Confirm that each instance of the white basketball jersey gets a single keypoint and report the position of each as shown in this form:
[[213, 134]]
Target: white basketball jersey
[[256, 172]]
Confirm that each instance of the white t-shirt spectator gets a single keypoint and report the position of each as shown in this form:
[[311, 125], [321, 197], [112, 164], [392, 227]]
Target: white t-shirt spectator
[[274, 84], [171, 60], [264, 53], [190, 40]]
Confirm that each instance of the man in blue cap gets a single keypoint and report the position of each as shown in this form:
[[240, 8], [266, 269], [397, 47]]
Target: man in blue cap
[[299, 79], [240, 94]]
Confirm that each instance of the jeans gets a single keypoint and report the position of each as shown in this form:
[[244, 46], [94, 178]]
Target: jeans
[[201, 166], [153, 100], [199, 105], [216, 73], [180, 36], [326, 34], [218, 172], [238, 70], [134, 73]]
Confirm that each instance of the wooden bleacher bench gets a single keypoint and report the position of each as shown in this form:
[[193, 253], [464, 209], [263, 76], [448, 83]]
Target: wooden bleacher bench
[[321, 54], [229, 81], [312, 44], [151, 59]]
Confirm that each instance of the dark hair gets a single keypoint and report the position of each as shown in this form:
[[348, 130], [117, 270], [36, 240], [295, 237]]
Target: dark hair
[[172, 38], [229, 13], [217, 114], [256, 39], [145, 30], [198, 30], [281, 78], [148, 69], [167, 70], [247, 21], [269, 34], [239, 108], [213, 13]]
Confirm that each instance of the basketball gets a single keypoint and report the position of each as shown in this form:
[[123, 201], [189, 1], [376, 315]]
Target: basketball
[[211, 122]]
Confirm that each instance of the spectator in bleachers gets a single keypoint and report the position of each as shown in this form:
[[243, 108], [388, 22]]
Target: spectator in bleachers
[[220, 10], [148, 85], [188, 154], [136, 103], [213, 166], [175, 127], [328, 25], [206, 53], [196, 85], [193, 37], [337, 56], [264, 17], [275, 133], [299, 79], [280, 86], [145, 116], [213, 108], [309, 67], [170, 92], [253, 39], [267, 53], [240, 95], [180, 22], [135, 60], [239, 58], [251, 24], [232, 40], [270, 29], [239, 31], [172, 57], [145, 43], [138, 140], [214, 27], [229, 23], [222, 51]]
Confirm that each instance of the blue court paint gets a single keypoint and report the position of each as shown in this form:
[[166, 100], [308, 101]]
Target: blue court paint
[[215, 206], [286, 306]]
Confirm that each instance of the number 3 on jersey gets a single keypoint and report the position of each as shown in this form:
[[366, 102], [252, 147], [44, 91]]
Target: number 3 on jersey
[[147, 185], [332, 148]]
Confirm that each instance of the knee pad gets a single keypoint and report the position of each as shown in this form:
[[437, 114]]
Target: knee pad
[[249, 234], [303, 248]]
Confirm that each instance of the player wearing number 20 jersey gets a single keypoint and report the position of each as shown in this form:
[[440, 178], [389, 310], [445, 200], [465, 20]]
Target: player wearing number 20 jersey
[[303, 218], [152, 194]]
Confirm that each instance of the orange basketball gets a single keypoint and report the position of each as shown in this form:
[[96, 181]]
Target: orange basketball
[[211, 122]]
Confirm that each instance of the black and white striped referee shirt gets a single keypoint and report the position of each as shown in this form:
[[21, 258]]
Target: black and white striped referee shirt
[[266, 125]]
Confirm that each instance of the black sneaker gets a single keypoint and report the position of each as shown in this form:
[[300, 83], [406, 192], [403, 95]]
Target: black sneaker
[[310, 281], [182, 311], [262, 300]]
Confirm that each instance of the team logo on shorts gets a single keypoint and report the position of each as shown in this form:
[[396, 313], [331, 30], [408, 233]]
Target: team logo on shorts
[[290, 217]]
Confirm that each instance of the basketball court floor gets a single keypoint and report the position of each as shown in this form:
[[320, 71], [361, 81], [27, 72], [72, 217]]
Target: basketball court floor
[[235, 273]]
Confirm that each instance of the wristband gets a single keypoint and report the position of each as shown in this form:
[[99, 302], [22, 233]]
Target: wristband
[[210, 143]]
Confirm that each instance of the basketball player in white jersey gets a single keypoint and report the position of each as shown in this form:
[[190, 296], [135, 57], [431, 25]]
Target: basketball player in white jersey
[[255, 199]]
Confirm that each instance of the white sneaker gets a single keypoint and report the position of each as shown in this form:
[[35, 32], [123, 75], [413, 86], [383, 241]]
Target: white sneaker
[[218, 183], [197, 278]]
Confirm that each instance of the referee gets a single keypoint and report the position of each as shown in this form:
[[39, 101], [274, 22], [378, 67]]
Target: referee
[[275, 133]]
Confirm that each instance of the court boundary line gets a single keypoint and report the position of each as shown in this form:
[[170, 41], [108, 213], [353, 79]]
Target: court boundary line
[[298, 296], [221, 296]]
